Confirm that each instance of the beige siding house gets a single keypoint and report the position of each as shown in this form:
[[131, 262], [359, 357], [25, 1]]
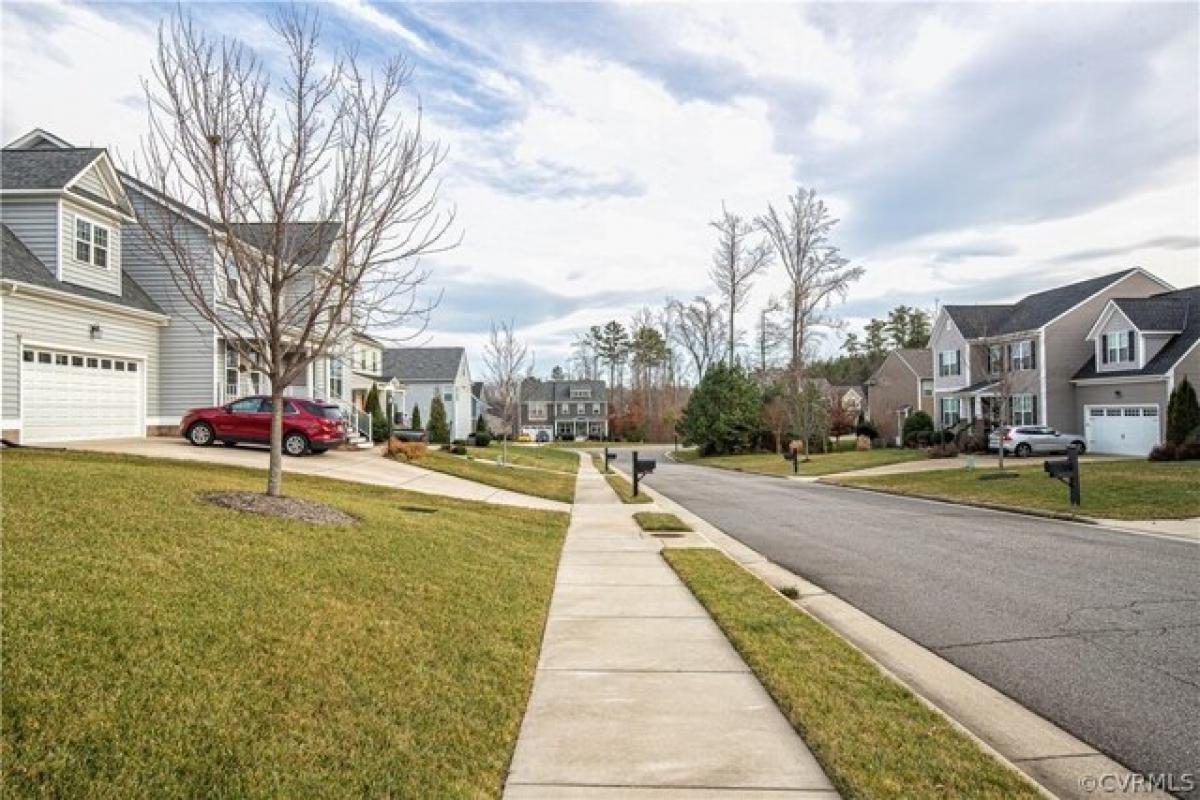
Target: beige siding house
[[1042, 346], [902, 385]]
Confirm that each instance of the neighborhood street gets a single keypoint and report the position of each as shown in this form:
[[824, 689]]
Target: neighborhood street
[[1096, 630]]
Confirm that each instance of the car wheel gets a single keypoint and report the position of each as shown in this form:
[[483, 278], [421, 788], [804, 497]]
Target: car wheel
[[200, 434], [1080, 446], [295, 444], [1023, 450]]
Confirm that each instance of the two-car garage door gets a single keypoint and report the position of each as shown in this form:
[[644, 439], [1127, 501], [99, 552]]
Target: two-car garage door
[[75, 395], [1121, 430]]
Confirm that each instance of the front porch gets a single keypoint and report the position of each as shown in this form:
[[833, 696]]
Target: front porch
[[581, 428]]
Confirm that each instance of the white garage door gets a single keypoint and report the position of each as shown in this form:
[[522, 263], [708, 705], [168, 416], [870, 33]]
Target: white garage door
[[71, 395], [1121, 430]]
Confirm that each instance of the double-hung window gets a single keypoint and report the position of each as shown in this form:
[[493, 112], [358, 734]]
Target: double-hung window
[[949, 363], [950, 408], [1020, 354], [1024, 409], [335, 377], [1117, 348], [231, 372], [927, 387], [91, 243], [995, 356]]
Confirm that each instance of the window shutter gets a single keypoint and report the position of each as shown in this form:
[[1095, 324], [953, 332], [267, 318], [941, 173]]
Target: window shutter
[[1132, 346], [1033, 353], [1033, 408], [1104, 348]]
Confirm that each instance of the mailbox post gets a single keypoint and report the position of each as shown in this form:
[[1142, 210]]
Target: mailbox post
[[1067, 471], [641, 466], [792, 455], [607, 458]]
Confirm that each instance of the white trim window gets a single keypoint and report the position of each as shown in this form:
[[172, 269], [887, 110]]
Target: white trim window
[[927, 387], [949, 363], [949, 409], [537, 412], [1118, 348], [91, 242], [1024, 409], [336, 380], [232, 379], [580, 392], [1020, 354]]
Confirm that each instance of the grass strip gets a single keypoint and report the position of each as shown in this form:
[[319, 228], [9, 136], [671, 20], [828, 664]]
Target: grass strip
[[654, 521], [1109, 489], [156, 645], [818, 463], [552, 485], [526, 456], [624, 489], [872, 736]]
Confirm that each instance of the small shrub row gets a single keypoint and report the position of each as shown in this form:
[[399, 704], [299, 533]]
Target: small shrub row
[[1188, 451], [406, 451], [947, 450]]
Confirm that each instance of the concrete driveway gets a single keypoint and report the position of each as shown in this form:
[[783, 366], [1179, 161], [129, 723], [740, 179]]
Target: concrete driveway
[[360, 466], [1094, 629]]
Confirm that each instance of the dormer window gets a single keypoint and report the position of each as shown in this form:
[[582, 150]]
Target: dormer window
[[91, 243], [1118, 348]]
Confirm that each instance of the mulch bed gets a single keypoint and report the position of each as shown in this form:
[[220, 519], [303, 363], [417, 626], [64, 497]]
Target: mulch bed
[[293, 508]]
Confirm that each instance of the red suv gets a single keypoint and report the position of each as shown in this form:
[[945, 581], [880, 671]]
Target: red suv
[[308, 425]]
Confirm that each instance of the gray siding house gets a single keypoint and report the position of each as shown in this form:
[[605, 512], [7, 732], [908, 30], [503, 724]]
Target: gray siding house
[[560, 409], [98, 340], [428, 372], [1040, 342]]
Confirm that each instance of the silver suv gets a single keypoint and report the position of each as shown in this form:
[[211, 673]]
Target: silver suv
[[1025, 440]]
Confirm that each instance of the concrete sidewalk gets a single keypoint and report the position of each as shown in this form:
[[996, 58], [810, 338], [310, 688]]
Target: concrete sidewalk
[[637, 692], [360, 466]]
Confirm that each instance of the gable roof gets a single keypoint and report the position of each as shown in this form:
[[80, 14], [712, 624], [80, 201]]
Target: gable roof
[[423, 364], [551, 391], [1031, 312], [1175, 348], [18, 264], [1155, 313], [919, 360], [43, 168], [304, 243]]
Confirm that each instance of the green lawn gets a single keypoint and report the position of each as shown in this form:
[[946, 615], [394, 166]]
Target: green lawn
[[818, 464], [655, 522], [552, 485], [873, 737], [1110, 489], [158, 646], [525, 456], [624, 488]]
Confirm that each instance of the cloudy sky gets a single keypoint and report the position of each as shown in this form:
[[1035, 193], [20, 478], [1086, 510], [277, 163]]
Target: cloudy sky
[[973, 152]]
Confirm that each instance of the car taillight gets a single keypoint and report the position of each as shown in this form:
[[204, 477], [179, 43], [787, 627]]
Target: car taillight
[[1008, 437]]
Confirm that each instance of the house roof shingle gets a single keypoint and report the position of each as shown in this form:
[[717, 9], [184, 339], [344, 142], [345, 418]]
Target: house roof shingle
[[43, 168], [919, 361], [1154, 313], [534, 389], [1172, 351], [304, 243], [423, 364], [17, 263], [1030, 312]]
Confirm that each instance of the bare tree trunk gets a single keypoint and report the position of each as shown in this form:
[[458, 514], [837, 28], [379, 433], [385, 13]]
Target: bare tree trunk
[[275, 468]]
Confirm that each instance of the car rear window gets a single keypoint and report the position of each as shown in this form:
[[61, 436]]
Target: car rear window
[[328, 412]]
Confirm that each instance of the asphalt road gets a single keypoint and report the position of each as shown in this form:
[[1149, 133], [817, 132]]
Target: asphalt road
[[1096, 630]]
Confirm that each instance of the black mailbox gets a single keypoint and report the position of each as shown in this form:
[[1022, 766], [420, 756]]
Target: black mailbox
[[793, 455], [1067, 471], [641, 466], [607, 458]]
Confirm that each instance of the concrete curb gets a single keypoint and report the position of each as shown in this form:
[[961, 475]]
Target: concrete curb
[[1055, 761]]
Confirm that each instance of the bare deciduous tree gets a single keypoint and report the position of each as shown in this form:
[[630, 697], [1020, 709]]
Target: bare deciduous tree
[[816, 269], [735, 262], [769, 334], [316, 194], [507, 362], [700, 330]]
